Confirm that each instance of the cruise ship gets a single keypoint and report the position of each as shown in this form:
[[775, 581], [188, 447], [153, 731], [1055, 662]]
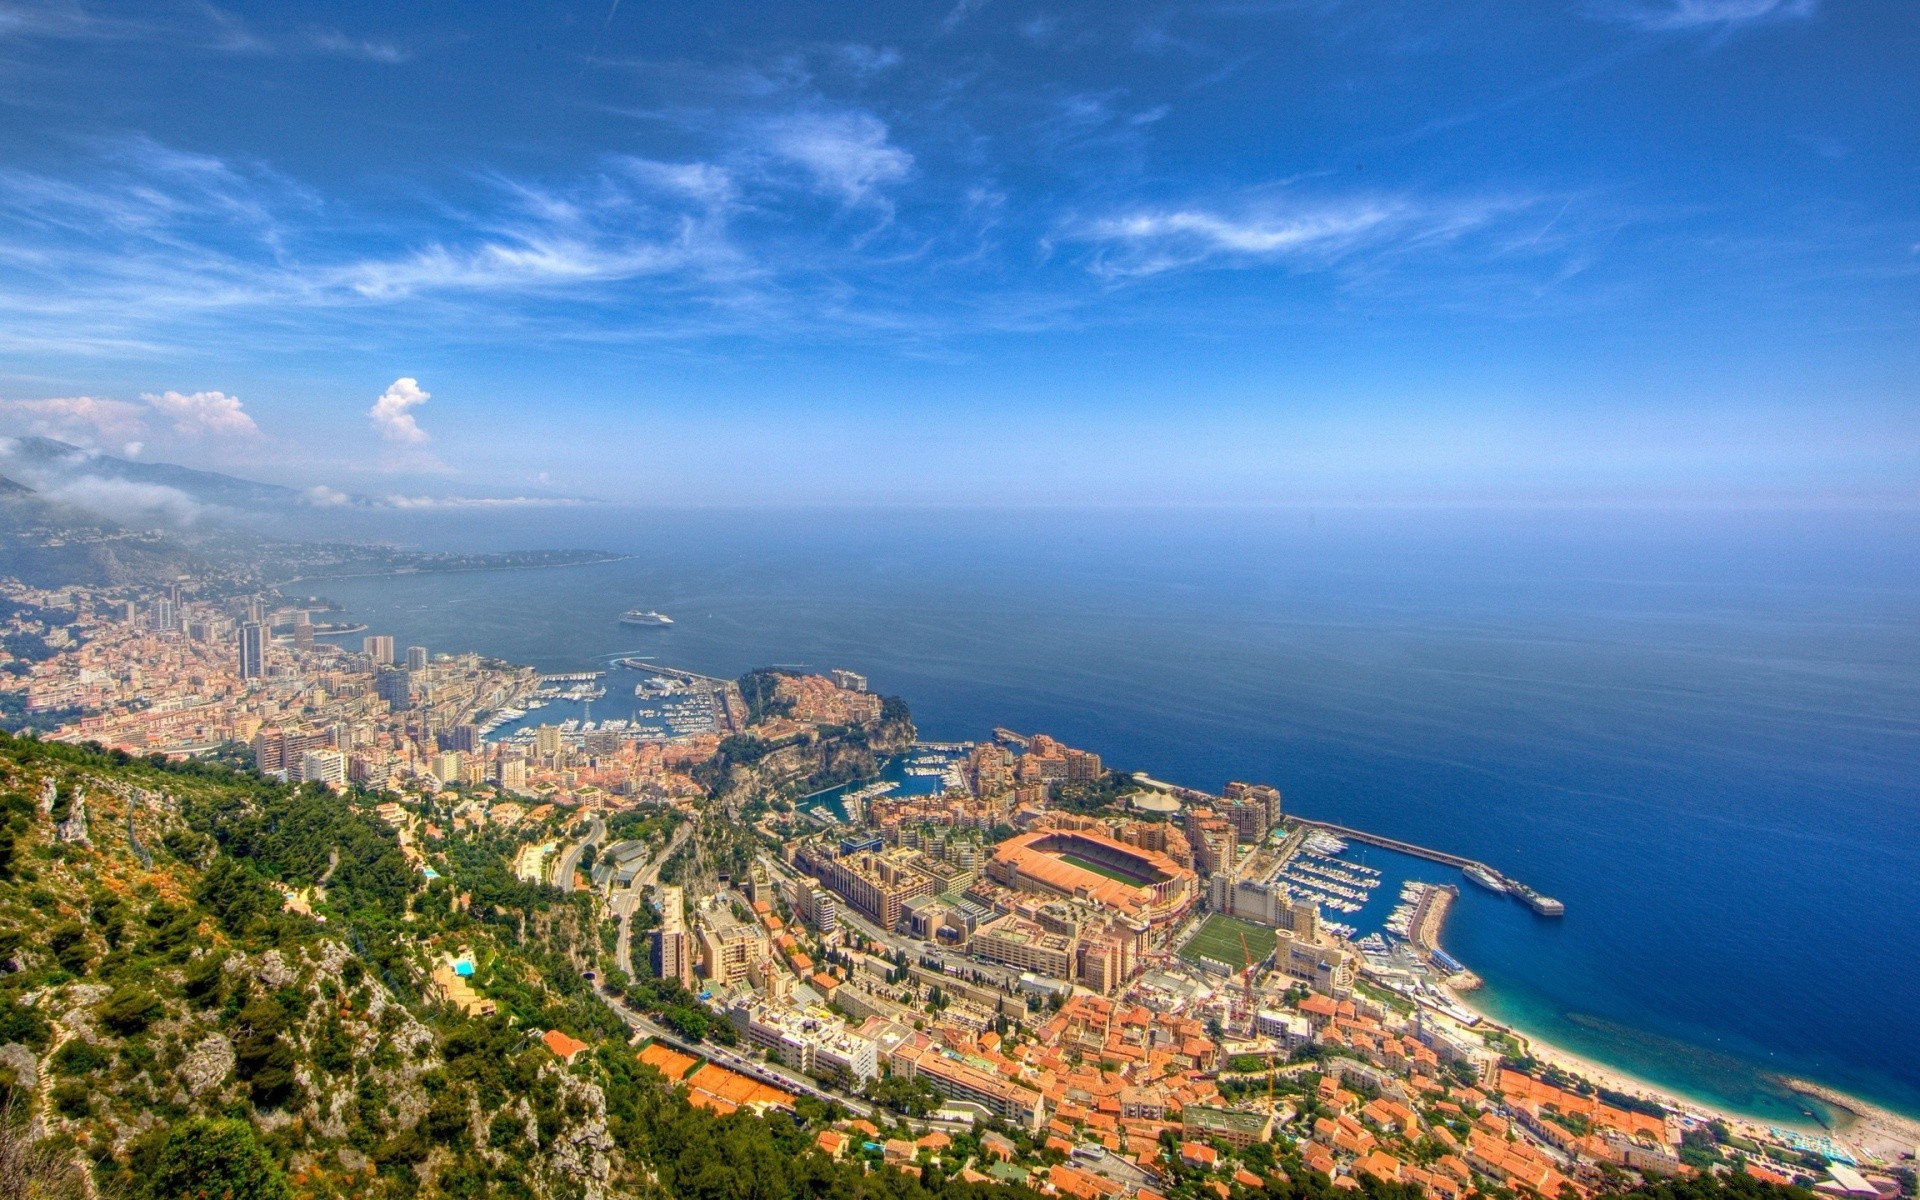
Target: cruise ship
[[1486, 879], [635, 616]]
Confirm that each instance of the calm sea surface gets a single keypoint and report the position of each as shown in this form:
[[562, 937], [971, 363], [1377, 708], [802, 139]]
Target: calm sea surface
[[1700, 732]]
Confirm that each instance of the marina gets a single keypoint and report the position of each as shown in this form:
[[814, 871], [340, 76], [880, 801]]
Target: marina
[[1479, 872]]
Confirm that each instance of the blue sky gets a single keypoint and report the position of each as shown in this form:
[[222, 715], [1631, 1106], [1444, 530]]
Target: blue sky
[[1548, 251]]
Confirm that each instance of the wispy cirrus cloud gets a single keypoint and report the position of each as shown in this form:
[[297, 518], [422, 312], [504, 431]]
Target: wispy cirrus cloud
[[1145, 241], [847, 154], [203, 28], [1663, 16]]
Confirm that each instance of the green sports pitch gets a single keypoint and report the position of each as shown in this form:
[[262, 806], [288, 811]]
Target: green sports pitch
[[1087, 864], [1219, 939]]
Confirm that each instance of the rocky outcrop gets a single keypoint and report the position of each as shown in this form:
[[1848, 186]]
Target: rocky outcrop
[[207, 1065]]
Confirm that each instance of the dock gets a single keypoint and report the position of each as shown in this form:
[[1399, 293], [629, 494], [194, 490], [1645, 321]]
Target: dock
[[1546, 906]]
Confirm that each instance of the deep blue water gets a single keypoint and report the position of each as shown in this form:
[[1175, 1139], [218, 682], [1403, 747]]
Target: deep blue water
[[1702, 732]]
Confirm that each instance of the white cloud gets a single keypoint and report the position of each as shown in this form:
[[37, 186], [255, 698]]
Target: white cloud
[[416, 502], [133, 449], [391, 416], [958, 14], [332, 41], [1670, 15], [83, 419], [1146, 242], [866, 60], [847, 154], [198, 414], [322, 496], [126, 500]]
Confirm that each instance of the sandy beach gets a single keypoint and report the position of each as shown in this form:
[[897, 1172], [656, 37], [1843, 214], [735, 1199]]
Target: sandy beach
[[1874, 1134]]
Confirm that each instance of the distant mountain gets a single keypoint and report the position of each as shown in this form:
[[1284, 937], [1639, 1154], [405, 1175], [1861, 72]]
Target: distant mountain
[[49, 543], [44, 543], [50, 464]]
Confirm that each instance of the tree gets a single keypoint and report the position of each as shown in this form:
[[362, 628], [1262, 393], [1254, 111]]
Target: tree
[[30, 1168], [215, 1160]]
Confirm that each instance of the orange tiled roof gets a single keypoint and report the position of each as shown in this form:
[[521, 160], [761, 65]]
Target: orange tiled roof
[[563, 1046]]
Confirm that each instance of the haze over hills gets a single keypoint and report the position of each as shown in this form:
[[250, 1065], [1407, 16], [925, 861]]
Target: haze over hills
[[61, 467], [96, 520]]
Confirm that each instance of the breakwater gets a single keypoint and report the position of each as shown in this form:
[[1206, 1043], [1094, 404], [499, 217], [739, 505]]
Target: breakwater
[[1545, 905]]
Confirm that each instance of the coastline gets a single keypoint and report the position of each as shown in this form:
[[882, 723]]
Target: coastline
[[1872, 1132]]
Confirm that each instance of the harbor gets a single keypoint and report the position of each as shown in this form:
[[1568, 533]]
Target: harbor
[[1480, 873]]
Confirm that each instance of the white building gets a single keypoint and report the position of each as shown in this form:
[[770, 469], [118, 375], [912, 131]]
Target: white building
[[323, 766], [806, 1041]]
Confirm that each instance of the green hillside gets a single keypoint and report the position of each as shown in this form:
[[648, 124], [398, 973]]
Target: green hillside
[[159, 995]]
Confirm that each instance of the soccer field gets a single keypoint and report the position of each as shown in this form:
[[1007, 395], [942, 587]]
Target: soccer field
[[1087, 864], [1219, 939]]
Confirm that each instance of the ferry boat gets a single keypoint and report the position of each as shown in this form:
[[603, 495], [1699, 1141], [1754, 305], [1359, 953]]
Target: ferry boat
[[635, 616], [1486, 878]]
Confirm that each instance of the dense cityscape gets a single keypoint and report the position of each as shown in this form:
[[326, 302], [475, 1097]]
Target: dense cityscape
[[1000, 961]]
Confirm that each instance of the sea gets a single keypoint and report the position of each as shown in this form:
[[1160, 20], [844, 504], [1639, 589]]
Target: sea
[[1700, 730]]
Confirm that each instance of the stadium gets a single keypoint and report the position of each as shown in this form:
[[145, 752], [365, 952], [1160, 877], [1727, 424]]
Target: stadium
[[1144, 884]]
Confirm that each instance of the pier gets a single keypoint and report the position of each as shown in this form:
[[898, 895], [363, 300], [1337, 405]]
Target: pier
[[1546, 906], [684, 676], [1387, 843]]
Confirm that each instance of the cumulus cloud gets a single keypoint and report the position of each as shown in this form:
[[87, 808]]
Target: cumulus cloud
[[88, 420], [322, 496], [83, 419], [391, 413], [847, 154], [200, 414], [1670, 15]]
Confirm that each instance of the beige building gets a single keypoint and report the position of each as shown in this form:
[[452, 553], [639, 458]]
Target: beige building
[[672, 949], [729, 947]]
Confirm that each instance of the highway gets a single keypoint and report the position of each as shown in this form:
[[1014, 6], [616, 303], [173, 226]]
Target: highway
[[733, 1060], [625, 902], [570, 857]]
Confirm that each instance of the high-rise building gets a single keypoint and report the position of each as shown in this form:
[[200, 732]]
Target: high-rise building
[[672, 952], [163, 615], [278, 751], [546, 739], [303, 630], [416, 658], [849, 680], [379, 648], [323, 766], [462, 737], [446, 766], [512, 774], [253, 651], [395, 687]]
